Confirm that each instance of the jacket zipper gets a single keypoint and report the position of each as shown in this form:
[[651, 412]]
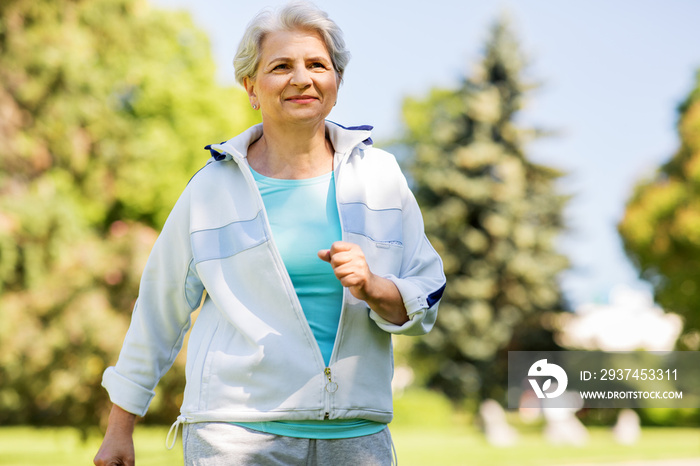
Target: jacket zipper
[[285, 275], [336, 174], [331, 387]]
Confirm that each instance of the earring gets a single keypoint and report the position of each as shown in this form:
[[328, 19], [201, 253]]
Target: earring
[[255, 107]]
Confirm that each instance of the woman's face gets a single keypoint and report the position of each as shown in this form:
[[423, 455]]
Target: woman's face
[[295, 82]]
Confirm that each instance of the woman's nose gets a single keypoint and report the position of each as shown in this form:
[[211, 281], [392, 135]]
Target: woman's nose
[[300, 77]]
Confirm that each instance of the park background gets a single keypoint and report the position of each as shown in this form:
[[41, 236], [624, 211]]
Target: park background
[[104, 110]]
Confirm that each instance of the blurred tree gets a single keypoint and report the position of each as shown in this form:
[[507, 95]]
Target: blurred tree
[[661, 226], [105, 106], [493, 216]]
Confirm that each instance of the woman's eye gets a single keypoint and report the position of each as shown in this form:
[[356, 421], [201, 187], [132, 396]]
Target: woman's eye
[[318, 65], [281, 66]]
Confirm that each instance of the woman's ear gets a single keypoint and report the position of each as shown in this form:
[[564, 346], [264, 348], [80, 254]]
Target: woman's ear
[[249, 85]]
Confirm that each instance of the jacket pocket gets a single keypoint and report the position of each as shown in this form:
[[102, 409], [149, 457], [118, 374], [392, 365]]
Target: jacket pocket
[[379, 232], [202, 342], [382, 226]]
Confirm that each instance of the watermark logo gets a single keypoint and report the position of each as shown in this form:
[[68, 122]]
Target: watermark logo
[[598, 379], [543, 369]]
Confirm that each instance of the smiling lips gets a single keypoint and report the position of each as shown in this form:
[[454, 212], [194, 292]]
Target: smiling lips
[[301, 99]]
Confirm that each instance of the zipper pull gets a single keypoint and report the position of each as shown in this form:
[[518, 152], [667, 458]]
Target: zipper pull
[[331, 387]]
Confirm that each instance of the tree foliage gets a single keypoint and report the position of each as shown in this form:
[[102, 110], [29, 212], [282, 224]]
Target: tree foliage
[[105, 106], [493, 216], [661, 225]]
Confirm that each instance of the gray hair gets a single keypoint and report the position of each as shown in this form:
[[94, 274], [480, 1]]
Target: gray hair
[[294, 15]]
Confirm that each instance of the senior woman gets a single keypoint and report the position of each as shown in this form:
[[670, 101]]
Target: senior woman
[[311, 250]]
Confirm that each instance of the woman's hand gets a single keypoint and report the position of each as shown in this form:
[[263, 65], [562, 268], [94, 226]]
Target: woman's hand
[[351, 268], [117, 448]]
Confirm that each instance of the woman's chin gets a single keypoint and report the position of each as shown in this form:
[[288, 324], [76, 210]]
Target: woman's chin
[[302, 116]]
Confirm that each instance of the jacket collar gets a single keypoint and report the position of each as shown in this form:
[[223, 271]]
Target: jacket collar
[[342, 138]]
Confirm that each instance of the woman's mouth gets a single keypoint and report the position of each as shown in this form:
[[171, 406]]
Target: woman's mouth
[[301, 99]]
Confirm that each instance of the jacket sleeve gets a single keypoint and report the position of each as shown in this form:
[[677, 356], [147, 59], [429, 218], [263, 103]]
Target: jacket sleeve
[[421, 280], [169, 291]]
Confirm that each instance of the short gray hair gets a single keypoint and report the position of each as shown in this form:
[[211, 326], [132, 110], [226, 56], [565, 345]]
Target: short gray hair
[[293, 15]]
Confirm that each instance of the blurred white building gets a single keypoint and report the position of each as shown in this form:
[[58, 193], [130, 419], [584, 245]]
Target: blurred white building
[[632, 321]]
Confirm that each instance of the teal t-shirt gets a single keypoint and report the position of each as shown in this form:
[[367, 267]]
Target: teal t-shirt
[[303, 216]]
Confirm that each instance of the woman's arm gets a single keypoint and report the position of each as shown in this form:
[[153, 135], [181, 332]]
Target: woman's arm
[[350, 267]]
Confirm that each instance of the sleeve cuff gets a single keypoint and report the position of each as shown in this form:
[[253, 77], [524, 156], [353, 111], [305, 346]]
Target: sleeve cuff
[[421, 316], [126, 394]]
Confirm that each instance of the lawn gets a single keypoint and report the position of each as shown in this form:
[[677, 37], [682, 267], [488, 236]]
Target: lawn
[[425, 432]]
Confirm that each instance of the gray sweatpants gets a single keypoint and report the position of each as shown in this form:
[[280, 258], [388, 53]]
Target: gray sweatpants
[[224, 444]]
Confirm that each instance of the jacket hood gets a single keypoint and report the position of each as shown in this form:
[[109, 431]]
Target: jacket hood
[[343, 139]]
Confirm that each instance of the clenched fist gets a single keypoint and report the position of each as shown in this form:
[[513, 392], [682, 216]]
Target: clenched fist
[[351, 268]]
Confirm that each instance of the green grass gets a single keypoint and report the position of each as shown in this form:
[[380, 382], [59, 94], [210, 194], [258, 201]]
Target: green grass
[[461, 446], [446, 446], [28, 446], [426, 432]]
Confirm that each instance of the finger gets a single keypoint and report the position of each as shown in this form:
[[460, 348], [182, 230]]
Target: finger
[[324, 255], [340, 246], [340, 258], [351, 281], [349, 274]]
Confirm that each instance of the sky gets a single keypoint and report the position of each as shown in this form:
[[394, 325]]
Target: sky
[[612, 74]]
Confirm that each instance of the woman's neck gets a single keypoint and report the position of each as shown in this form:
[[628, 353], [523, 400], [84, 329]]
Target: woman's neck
[[292, 152]]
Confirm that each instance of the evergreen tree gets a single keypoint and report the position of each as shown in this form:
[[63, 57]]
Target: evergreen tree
[[493, 215], [105, 106], [661, 226]]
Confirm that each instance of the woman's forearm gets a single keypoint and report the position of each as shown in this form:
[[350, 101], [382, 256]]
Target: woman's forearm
[[383, 297]]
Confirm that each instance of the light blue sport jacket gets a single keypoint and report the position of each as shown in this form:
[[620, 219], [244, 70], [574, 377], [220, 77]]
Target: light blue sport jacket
[[251, 354]]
